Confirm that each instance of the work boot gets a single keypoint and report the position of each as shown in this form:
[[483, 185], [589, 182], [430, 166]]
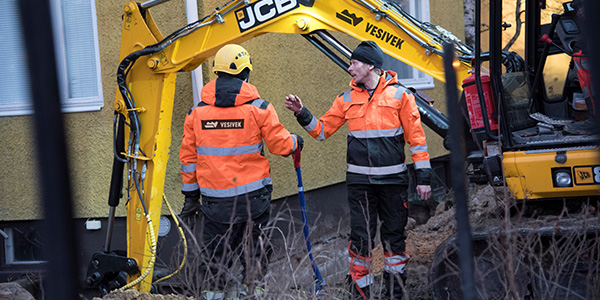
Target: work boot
[[213, 295], [588, 126], [394, 285], [357, 293], [259, 293]]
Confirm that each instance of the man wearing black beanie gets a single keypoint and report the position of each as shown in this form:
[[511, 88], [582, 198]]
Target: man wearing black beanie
[[369, 53], [381, 116]]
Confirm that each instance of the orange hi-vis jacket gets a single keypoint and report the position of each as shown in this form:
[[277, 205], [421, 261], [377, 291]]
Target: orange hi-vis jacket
[[378, 126], [222, 148]]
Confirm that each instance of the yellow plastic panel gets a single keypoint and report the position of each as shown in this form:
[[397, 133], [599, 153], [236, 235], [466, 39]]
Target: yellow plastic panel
[[529, 174]]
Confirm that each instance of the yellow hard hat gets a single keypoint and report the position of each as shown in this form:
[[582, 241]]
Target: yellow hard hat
[[232, 59]]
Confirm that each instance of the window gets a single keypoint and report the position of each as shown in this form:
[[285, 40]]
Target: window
[[22, 245], [408, 75], [78, 58]]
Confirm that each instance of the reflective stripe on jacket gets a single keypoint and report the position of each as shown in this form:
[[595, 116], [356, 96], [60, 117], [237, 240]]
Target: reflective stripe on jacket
[[223, 140], [378, 126]]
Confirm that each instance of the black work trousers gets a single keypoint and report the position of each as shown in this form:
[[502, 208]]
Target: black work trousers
[[224, 244], [370, 202]]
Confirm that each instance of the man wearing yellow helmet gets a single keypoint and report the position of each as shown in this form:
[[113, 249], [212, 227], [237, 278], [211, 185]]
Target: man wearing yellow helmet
[[223, 161]]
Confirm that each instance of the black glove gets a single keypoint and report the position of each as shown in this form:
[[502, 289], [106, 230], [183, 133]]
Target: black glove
[[190, 209], [300, 141]]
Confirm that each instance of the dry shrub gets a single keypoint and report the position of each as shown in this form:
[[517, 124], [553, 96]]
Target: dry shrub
[[519, 255], [289, 273]]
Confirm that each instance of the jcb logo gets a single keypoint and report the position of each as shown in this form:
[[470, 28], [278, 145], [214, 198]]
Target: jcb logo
[[586, 174], [262, 11]]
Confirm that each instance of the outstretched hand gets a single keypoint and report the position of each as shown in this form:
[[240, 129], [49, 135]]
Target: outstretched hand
[[293, 103]]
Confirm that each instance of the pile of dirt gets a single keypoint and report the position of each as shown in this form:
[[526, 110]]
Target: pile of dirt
[[423, 240], [14, 291], [135, 295]]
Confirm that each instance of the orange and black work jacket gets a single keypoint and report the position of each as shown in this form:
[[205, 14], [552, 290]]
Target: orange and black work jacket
[[223, 139], [378, 126]]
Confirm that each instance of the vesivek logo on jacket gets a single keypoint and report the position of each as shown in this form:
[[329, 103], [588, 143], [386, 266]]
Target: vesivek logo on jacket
[[222, 124]]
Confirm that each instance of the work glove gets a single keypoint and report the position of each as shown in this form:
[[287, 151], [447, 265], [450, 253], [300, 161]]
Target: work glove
[[191, 207], [300, 141]]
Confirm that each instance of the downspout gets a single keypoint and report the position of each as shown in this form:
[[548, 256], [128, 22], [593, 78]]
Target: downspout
[[191, 12]]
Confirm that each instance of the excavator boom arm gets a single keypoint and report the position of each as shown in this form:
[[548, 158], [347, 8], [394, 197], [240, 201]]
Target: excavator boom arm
[[397, 33]]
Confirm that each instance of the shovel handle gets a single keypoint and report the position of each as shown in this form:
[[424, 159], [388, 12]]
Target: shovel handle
[[296, 156]]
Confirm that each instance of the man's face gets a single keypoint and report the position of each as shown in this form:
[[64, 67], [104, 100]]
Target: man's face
[[359, 71]]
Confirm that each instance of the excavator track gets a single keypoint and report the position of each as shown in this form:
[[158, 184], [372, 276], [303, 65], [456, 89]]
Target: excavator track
[[543, 258]]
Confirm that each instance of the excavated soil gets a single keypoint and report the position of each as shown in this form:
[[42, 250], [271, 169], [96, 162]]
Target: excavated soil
[[135, 295], [423, 239]]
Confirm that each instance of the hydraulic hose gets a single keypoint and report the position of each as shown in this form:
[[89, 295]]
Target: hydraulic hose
[[185, 248], [432, 117], [150, 266], [152, 258]]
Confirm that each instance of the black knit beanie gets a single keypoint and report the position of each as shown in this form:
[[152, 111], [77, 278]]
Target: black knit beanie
[[369, 53]]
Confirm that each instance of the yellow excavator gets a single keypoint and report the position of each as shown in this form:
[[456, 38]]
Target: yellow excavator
[[532, 163], [544, 243]]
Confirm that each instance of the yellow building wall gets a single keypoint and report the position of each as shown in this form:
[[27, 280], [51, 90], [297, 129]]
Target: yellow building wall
[[283, 64]]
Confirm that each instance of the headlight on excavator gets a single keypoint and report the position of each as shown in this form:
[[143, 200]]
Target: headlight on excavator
[[562, 177]]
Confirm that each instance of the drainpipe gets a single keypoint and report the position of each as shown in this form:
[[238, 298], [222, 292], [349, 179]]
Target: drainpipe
[[191, 12]]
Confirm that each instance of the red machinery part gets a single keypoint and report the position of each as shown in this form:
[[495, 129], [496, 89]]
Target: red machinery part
[[473, 104]]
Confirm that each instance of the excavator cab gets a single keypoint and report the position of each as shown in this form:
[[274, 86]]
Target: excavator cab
[[528, 104], [542, 242]]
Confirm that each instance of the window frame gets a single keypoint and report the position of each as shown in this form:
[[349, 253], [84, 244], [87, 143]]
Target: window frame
[[68, 104], [419, 79], [9, 251]]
